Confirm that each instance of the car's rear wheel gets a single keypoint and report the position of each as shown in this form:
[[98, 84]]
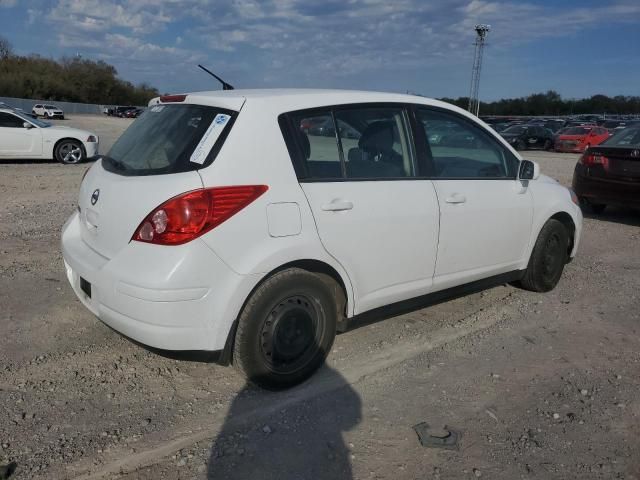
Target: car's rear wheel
[[548, 258], [69, 152], [285, 330]]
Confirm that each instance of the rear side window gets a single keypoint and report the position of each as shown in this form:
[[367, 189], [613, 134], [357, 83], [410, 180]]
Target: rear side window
[[460, 149], [170, 139], [353, 143]]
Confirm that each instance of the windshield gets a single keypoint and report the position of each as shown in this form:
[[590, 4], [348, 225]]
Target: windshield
[[629, 137], [34, 121], [170, 139], [516, 130], [577, 131]]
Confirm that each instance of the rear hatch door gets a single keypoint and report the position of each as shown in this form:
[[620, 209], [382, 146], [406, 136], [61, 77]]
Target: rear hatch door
[[155, 159], [113, 206]]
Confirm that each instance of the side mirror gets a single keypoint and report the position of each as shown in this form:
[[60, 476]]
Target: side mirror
[[27, 125], [528, 170]]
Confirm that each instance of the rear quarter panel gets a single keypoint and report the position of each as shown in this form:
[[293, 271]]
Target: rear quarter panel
[[255, 154]]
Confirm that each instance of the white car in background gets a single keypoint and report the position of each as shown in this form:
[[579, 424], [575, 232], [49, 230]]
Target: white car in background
[[23, 137], [223, 221], [47, 111]]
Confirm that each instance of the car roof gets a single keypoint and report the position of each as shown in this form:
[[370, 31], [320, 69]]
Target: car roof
[[291, 99]]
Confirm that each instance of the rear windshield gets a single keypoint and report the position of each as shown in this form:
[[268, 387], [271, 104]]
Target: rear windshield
[[170, 139], [629, 137]]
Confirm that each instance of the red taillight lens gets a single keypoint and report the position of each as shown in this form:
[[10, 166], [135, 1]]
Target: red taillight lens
[[592, 159], [187, 216]]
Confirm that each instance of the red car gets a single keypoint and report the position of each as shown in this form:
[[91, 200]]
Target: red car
[[578, 139]]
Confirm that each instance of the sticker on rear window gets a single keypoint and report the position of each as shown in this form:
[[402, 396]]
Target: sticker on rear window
[[209, 138], [157, 108]]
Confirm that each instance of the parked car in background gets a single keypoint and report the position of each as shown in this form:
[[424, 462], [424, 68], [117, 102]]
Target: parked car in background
[[133, 113], [615, 125], [524, 137], [185, 239], [578, 139], [47, 111], [119, 111], [609, 173], [24, 137]]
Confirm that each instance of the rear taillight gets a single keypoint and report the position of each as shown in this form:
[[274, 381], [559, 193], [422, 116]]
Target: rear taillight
[[187, 216], [591, 159]]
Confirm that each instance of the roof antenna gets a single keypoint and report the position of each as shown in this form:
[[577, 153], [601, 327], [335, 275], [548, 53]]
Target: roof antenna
[[225, 85]]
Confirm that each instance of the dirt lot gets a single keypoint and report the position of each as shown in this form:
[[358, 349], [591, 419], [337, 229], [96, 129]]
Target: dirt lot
[[538, 386]]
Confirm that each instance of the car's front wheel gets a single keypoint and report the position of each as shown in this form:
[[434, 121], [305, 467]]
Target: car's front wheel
[[285, 330], [69, 152], [548, 258]]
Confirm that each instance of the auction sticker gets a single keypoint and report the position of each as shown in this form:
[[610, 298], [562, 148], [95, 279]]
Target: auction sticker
[[209, 138]]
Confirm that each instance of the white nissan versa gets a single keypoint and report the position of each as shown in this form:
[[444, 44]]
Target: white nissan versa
[[245, 222]]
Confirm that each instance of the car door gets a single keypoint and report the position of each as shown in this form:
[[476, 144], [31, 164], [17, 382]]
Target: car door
[[16, 140], [373, 213], [485, 212]]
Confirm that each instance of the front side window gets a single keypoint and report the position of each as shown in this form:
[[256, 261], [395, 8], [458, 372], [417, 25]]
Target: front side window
[[10, 121], [354, 143], [460, 149]]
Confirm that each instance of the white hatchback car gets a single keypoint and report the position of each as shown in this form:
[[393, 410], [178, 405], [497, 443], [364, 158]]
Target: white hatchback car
[[22, 136], [246, 223]]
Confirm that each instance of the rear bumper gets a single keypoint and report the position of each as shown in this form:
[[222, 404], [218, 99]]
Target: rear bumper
[[606, 191], [171, 298]]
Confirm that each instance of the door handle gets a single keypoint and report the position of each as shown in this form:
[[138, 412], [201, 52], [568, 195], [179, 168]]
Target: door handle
[[337, 206], [456, 198]]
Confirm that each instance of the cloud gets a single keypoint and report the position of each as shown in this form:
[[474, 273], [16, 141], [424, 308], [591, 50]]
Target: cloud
[[327, 41]]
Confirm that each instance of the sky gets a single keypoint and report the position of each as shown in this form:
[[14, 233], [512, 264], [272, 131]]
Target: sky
[[578, 48]]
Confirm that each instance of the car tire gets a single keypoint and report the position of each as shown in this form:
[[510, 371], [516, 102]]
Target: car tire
[[286, 329], [520, 145], [548, 258], [547, 145], [69, 152]]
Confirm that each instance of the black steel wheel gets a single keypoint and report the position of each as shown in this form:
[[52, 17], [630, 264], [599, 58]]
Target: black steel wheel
[[286, 329], [548, 258]]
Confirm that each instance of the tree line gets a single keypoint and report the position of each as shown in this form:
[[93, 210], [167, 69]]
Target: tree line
[[551, 103], [68, 79]]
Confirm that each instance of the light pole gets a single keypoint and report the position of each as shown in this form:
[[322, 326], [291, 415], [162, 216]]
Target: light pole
[[474, 101]]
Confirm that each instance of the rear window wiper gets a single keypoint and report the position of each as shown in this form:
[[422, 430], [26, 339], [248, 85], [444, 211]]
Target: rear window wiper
[[118, 165]]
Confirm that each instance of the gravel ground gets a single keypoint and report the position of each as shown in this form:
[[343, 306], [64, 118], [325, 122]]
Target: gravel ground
[[537, 386]]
